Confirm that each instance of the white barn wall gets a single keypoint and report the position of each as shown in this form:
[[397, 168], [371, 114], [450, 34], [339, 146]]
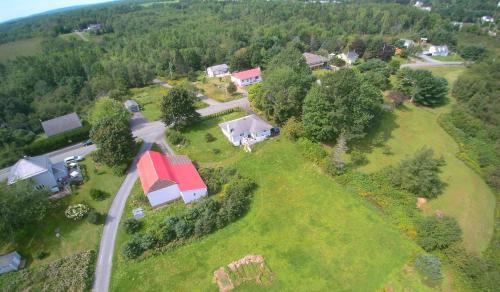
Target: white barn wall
[[164, 195], [193, 195]]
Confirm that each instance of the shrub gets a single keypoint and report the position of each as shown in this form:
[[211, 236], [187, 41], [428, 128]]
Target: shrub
[[438, 233], [216, 151], [175, 137], [209, 138], [231, 88], [98, 195], [76, 212], [312, 151], [132, 225], [148, 241], [358, 158], [387, 150], [58, 141], [94, 217], [183, 229], [119, 169], [215, 178], [429, 267], [167, 234], [41, 254], [333, 170], [293, 129], [132, 249], [419, 174]]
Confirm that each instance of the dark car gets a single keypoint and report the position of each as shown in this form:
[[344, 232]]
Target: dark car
[[88, 142]]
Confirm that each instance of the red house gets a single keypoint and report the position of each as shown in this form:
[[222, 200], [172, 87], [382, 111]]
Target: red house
[[166, 178], [247, 77]]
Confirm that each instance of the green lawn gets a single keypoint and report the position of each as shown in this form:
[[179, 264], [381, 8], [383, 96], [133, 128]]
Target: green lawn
[[450, 58], [202, 151], [75, 235], [215, 88], [26, 47], [467, 197], [149, 98], [314, 234]]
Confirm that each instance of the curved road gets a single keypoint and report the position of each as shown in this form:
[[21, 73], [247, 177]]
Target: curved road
[[426, 61]]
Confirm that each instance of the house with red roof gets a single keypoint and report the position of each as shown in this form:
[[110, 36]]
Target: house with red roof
[[167, 178], [247, 77]]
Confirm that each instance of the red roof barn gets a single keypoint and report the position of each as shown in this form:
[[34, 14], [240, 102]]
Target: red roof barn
[[166, 178]]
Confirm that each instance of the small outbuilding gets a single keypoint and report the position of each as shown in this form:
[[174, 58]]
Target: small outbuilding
[[246, 130], [10, 262], [315, 61], [61, 124], [218, 70], [132, 106], [350, 57]]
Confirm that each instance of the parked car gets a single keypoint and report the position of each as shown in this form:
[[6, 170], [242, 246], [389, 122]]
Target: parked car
[[88, 142], [72, 159]]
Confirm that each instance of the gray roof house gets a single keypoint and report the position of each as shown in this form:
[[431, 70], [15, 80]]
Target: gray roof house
[[315, 61], [246, 130], [218, 70], [9, 262], [39, 169], [350, 57], [61, 124], [439, 50], [132, 106]]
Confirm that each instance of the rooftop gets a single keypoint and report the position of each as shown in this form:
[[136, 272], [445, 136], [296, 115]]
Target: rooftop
[[247, 74], [61, 124], [28, 167], [313, 59], [250, 123]]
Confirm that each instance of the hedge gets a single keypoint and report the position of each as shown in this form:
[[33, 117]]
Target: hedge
[[58, 141]]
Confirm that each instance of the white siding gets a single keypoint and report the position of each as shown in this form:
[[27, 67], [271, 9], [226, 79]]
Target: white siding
[[193, 195], [164, 195], [245, 82]]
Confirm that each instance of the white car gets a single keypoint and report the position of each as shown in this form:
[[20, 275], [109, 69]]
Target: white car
[[72, 159]]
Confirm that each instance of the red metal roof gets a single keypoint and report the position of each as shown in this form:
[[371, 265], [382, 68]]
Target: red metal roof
[[247, 74], [154, 166]]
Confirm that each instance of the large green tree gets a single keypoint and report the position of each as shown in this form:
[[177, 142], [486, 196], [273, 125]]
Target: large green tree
[[422, 87], [114, 140], [21, 204], [106, 107], [351, 103], [177, 108]]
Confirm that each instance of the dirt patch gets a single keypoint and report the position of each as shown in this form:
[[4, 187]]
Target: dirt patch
[[421, 201], [248, 268]]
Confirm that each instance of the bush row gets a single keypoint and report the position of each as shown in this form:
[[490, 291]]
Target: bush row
[[58, 141], [203, 218], [228, 111]]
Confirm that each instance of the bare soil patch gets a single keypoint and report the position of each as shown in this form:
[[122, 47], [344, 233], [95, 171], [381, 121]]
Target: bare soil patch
[[248, 268]]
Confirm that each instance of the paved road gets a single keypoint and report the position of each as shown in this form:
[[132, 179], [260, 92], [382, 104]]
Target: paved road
[[162, 83], [427, 61], [242, 102]]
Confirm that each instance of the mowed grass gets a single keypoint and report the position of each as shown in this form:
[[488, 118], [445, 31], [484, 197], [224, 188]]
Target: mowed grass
[[314, 235], [26, 47], [149, 98], [75, 235], [215, 88], [452, 57], [466, 197]]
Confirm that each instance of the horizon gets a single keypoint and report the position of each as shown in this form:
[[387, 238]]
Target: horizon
[[26, 8]]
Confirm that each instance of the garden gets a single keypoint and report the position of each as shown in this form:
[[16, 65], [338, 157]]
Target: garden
[[217, 88]]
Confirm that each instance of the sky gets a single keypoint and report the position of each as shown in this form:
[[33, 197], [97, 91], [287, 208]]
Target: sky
[[10, 9]]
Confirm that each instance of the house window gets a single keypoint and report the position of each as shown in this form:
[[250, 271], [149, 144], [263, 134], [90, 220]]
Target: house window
[[39, 187]]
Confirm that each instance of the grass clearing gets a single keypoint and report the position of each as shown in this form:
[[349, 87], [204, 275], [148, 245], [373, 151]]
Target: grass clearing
[[215, 88], [75, 235], [467, 197], [313, 233], [452, 57], [20, 48], [149, 98]]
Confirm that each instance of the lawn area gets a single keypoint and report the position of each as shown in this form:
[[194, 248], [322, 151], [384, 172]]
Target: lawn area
[[75, 235], [314, 234], [452, 57], [467, 197], [26, 47], [204, 152], [149, 98], [215, 88]]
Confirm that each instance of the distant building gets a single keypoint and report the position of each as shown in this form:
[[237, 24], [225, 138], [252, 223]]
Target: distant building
[[249, 129], [408, 43], [39, 169], [167, 178], [438, 50], [218, 70], [315, 61], [458, 24], [94, 27], [487, 18], [420, 5], [247, 77], [61, 124], [349, 57], [423, 41], [9, 262], [132, 106]]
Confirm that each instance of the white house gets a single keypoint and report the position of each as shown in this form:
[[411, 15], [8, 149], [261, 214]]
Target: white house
[[247, 77], [9, 262], [350, 57], [218, 70], [438, 50], [250, 129], [39, 169], [167, 178], [487, 18]]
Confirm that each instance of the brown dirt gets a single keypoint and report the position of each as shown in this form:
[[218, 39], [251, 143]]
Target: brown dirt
[[421, 201], [241, 270]]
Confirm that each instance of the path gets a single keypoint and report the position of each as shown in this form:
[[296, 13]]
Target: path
[[79, 33], [426, 61]]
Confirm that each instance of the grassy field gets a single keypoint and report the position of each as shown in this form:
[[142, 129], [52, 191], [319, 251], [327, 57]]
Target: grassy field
[[215, 88], [452, 57], [75, 235], [314, 234], [467, 197], [149, 98], [26, 47]]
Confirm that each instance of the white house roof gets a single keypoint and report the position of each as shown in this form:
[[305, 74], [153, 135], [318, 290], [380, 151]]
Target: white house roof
[[219, 68], [251, 123], [438, 48], [28, 167], [61, 124], [7, 259]]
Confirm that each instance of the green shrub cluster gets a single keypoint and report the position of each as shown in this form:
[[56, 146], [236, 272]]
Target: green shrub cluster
[[175, 137], [312, 151], [429, 267], [222, 113], [132, 225], [98, 195], [203, 218], [216, 178], [71, 273], [58, 141], [435, 233]]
